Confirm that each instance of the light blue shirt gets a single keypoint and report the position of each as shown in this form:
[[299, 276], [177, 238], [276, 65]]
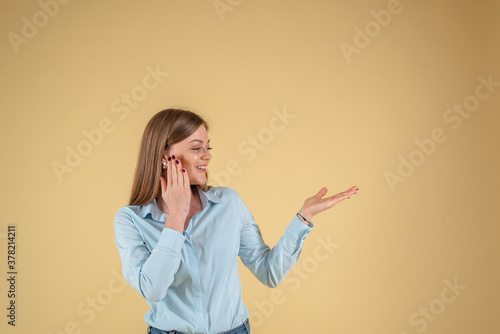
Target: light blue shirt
[[191, 280]]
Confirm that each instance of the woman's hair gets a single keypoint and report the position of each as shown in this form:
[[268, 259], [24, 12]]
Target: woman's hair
[[166, 128]]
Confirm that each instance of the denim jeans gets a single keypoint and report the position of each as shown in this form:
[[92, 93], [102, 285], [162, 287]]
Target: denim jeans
[[243, 329]]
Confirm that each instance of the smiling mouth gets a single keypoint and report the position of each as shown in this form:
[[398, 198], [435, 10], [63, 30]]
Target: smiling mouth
[[202, 168]]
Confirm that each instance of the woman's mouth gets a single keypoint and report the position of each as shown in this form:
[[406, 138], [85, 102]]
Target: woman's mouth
[[202, 168]]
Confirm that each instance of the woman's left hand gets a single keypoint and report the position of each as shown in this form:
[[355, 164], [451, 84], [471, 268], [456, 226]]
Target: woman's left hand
[[316, 204]]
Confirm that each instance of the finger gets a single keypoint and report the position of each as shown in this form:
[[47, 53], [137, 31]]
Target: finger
[[353, 189], [339, 197], [174, 172], [336, 199], [321, 193], [169, 173], [180, 177], [185, 178], [349, 192]]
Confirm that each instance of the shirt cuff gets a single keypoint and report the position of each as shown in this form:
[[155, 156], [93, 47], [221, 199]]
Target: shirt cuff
[[171, 241], [297, 229]]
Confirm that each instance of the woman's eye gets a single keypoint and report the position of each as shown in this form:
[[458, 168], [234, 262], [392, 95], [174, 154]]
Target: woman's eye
[[199, 148]]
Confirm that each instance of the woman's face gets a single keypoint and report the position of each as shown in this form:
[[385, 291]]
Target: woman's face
[[193, 152]]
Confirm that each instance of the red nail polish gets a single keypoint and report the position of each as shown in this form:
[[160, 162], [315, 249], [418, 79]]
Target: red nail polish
[[169, 159], [173, 156], [183, 170], [177, 161]]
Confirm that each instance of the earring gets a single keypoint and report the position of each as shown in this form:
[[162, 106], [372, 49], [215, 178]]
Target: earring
[[164, 165]]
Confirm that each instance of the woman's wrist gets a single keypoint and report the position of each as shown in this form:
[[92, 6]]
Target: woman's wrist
[[304, 216], [302, 219], [304, 213], [175, 221]]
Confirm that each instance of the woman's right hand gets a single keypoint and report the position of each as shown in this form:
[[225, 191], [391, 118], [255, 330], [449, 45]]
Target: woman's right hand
[[176, 192]]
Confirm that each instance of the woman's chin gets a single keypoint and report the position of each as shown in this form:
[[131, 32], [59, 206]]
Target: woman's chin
[[198, 181]]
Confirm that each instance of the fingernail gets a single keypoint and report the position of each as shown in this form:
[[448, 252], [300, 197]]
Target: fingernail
[[177, 161], [173, 156], [169, 159], [183, 170]]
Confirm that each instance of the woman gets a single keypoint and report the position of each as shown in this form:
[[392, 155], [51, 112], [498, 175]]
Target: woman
[[179, 239]]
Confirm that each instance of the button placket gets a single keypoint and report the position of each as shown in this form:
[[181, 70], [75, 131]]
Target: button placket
[[195, 277]]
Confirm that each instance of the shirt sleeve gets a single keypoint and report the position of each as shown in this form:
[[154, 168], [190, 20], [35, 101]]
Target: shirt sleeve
[[270, 266], [150, 273]]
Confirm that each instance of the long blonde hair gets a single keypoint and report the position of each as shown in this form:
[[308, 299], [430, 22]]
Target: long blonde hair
[[166, 128]]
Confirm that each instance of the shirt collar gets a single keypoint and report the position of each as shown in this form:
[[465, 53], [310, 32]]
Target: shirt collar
[[152, 208]]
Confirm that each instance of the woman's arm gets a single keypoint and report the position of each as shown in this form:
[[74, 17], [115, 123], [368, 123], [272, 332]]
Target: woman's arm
[[271, 266], [150, 273]]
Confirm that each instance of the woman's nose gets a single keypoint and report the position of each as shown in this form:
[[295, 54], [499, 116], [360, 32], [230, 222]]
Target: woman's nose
[[206, 154]]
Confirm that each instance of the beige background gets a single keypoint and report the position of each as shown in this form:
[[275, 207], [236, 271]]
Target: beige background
[[392, 248]]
